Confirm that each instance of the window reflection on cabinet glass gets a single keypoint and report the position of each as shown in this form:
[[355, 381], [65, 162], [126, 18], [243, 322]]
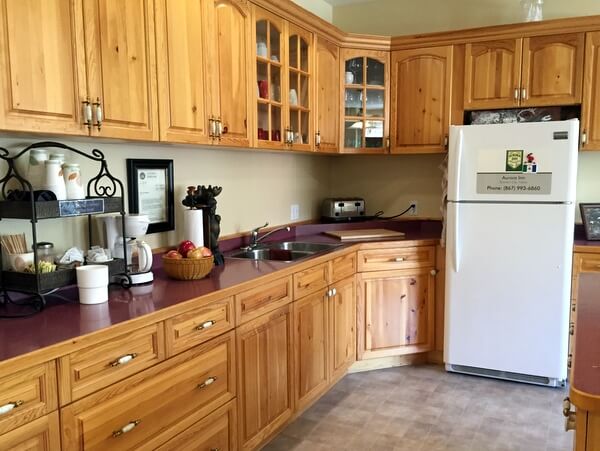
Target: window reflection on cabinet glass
[[375, 102], [375, 72], [354, 66], [293, 50], [275, 45], [303, 55], [275, 123], [374, 134], [353, 134], [275, 88], [353, 102]]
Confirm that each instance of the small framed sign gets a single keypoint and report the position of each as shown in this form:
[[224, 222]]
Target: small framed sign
[[150, 192], [590, 214]]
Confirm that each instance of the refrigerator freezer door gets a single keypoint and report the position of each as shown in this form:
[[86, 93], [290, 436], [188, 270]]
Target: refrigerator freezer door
[[508, 287], [531, 162]]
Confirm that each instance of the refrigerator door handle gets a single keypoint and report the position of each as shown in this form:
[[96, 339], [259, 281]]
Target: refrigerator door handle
[[456, 162], [456, 238]]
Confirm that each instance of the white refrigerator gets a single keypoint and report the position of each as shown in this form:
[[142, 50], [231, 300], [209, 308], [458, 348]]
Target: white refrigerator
[[509, 240]]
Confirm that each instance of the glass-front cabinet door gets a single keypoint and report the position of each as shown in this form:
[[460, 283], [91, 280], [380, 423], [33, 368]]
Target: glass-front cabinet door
[[299, 132], [365, 104], [269, 40]]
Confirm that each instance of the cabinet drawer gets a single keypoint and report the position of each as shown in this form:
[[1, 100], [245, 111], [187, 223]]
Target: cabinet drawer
[[263, 299], [42, 434], [199, 325], [342, 267], [590, 263], [148, 409], [311, 280], [97, 366], [215, 432], [27, 395], [399, 258]]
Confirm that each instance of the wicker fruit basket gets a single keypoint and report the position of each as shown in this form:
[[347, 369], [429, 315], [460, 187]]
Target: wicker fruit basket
[[188, 268]]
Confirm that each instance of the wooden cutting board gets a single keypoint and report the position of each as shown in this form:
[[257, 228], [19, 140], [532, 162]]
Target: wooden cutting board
[[364, 234]]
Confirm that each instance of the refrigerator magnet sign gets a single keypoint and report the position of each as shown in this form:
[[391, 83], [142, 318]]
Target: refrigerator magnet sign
[[514, 161]]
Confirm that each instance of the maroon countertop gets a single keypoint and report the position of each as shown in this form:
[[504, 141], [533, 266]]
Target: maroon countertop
[[586, 374], [64, 320]]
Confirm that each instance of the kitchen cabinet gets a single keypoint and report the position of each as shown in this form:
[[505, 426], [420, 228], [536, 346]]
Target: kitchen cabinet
[[121, 68], [203, 49], [42, 61], [532, 71], [42, 434], [327, 98], [590, 108], [265, 394], [364, 101], [342, 328], [421, 93]]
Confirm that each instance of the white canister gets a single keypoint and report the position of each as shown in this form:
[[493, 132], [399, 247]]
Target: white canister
[[36, 170], [72, 176], [54, 180], [57, 156]]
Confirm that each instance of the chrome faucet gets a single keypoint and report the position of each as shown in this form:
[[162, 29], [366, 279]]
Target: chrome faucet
[[254, 238]]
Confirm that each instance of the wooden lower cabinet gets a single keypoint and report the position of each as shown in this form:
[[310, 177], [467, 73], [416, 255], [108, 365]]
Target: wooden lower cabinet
[[342, 328], [265, 369], [396, 312], [217, 431], [42, 434]]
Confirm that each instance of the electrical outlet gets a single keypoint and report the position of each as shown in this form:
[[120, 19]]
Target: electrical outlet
[[415, 210], [294, 212]]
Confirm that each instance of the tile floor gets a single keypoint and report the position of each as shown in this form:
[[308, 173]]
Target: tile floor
[[423, 408]]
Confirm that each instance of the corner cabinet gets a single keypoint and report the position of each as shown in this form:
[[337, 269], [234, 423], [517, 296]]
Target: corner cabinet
[[365, 101], [421, 94], [203, 49], [590, 110], [327, 98]]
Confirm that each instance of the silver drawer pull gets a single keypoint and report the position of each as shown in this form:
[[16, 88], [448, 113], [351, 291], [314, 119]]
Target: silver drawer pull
[[208, 382], [10, 406], [570, 422], [124, 359], [399, 259], [206, 325], [334, 292], [127, 428]]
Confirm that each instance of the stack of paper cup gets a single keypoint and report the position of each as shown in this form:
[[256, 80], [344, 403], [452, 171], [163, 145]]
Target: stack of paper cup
[[92, 281]]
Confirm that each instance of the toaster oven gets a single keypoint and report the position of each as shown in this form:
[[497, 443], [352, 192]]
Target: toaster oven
[[337, 209]]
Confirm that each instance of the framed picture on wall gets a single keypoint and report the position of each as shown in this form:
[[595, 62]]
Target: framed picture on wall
[[590, 214], [150, 192]]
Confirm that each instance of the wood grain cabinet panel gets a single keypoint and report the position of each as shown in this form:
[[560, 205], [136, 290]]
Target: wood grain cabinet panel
[[421, 92], [95, 367], [265, 369], [327, 107], [199, 325], [590, 108], [42, 66], [121, 67], [342, 267], [216, 432], [26, 395], [149, 408], [263, 299], [311, 280], [42, 434], [396, 258], [342, 328]]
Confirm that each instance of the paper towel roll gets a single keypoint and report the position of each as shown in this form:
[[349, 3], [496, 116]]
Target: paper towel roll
[[193, 226]]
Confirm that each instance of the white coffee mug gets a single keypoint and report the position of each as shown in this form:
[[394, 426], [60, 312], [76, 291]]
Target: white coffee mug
[[349, 78], [293, 97], [261, 49]]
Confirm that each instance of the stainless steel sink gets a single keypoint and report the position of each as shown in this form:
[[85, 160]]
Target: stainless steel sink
[[286, 251]]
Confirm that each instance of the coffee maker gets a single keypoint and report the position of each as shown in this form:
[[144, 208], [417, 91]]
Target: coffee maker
[[138, 252]]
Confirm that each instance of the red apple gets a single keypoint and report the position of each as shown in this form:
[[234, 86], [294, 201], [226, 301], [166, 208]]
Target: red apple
[[185, 246], [173, 254]]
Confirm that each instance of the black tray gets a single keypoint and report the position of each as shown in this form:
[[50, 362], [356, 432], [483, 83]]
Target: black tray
[[59, 209]]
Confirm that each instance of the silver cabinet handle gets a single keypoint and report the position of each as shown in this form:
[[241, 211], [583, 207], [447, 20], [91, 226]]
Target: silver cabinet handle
[[318, 139], [446, 142], [334, 292], [206, 325], [516, 94], [219, 128], [207, 382], [584, 137], [99, 114], [523, 93], [398, 259], [212, 127], [329, 293], [87, 113], [433, 272], [10, 406], [572, 329], [123, 359], [127, 428]]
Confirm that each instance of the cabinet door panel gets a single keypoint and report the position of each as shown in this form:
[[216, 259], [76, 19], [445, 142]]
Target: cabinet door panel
[[230, 52], [182, 85], [342, 327], [42, 73], [590, 109], [492, 74], [310, 346], [552, 69], [421, 81], [328, 96], [121, 66], [42, 434]]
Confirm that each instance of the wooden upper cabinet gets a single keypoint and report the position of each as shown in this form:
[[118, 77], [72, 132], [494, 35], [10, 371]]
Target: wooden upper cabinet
[[182, 75], [42, 66], [230, 64], [421, 85], [590, 110], [552, 70], [364, 101], [492, 74], [327, 105], [121, 68]]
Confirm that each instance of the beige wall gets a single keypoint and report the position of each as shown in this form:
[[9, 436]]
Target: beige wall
[[401, 17], [257, 187], [318, 7]]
